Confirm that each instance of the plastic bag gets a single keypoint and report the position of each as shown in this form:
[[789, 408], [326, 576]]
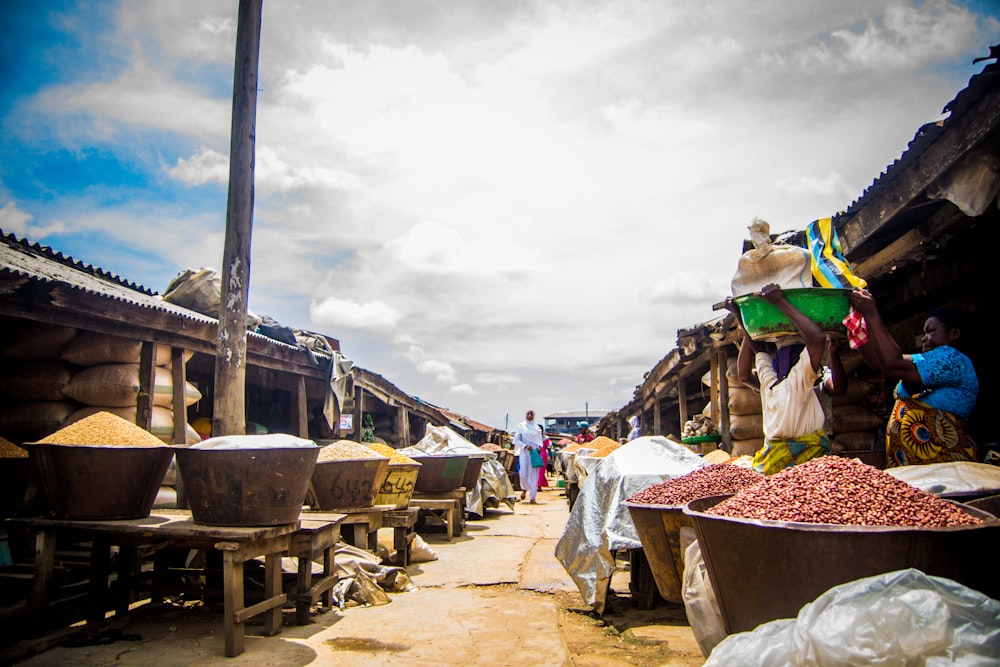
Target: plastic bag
[[703, 613], [786, 265], [536, 458], [898, 618]]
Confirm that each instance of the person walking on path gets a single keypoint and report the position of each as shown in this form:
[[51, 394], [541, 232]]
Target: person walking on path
[[528, 437]]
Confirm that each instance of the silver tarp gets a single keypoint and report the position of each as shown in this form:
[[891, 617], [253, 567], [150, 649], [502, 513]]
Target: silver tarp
[[599, 524], [951, 477], [494, 485]]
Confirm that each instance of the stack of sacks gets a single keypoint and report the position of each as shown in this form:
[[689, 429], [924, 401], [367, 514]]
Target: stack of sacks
[[109, 381], [857, 420], [746, 420], [32, 403]]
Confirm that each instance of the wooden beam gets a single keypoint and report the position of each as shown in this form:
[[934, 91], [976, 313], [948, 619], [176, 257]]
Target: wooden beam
[[910, 247]]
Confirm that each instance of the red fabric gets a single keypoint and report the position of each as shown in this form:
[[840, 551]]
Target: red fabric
[[857, 329], [542, 480]]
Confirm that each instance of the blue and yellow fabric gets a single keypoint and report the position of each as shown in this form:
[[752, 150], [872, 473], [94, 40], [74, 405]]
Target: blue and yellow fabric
[[829, 267]]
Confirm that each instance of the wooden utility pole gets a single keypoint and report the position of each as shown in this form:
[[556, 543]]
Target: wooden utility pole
[[229, 417]]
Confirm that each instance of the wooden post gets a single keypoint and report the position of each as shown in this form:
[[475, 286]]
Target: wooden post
[[301, 408], [229, 417], [178, 375], [147, 383], [682, 402], [723, 417], [359, 411]]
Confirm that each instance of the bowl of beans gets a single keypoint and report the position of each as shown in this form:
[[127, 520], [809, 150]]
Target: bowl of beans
[[99, 468], [775, 546], [658, 517], [348, 475]]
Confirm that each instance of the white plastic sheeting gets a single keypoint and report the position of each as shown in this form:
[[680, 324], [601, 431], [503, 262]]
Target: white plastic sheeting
[[898, 618], [600, 525], [494, 485], [277, 440], [951, 477]]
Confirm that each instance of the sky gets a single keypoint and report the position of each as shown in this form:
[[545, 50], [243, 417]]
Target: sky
[[497, 205]]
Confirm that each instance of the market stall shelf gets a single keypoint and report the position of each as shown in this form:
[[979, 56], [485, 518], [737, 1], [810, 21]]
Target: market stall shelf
[[237, 545]]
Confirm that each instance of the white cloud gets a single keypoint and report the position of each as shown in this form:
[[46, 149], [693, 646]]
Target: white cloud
[[463, 389], [15, 221], [205, 166], [335, 313], [441, 371]]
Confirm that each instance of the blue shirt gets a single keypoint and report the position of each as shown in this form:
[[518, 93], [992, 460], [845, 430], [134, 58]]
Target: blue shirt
[[949, 379]]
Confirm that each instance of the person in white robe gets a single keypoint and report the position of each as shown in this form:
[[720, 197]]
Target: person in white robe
[[528, 436]]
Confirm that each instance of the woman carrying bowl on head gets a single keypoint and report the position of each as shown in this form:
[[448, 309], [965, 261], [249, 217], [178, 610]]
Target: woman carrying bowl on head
[[936, 389], [787, 377]]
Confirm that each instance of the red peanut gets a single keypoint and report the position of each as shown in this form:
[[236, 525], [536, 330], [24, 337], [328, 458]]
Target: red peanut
[[713, 480], [841, 490]]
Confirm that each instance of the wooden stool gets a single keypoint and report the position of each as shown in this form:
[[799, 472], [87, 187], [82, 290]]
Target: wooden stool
[[359, 527], [317, 534], [446, 509], [455, 494], [402, 522]]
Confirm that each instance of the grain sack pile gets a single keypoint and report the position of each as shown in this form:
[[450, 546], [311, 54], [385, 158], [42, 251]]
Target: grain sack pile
[[109, 381], [32, 404], [746, 422], [857, 419]]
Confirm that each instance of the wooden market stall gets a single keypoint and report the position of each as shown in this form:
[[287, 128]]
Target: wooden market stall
[[922, 235]]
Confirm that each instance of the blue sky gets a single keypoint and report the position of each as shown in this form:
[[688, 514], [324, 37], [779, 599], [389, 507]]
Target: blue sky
[[495, 205]]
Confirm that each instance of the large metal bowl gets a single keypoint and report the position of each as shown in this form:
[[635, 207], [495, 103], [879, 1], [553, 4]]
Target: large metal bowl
[[98, 483], [444, 472], [765, 570], [347, 483], [246, 487], [659, 529], [827, 307]]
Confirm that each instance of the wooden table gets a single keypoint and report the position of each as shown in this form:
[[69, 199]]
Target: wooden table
[[238, 544], [318, 533]]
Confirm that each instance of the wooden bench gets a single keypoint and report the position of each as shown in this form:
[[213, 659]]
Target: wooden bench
[[403, 523], [176, 529], [318, 534]]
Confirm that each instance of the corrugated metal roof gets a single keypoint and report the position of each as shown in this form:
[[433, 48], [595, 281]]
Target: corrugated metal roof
[[31, 260]]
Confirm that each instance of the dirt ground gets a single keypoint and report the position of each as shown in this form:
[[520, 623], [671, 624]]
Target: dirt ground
[[494, 595]]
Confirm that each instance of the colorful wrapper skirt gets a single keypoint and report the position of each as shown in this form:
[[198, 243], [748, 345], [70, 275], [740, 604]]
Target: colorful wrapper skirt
[[780, 453], [917, 433]]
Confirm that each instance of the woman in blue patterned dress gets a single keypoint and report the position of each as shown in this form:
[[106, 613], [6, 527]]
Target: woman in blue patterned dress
[[937, 387]]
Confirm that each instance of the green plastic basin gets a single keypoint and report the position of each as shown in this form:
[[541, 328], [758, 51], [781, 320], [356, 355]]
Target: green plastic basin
[[826, 306]]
